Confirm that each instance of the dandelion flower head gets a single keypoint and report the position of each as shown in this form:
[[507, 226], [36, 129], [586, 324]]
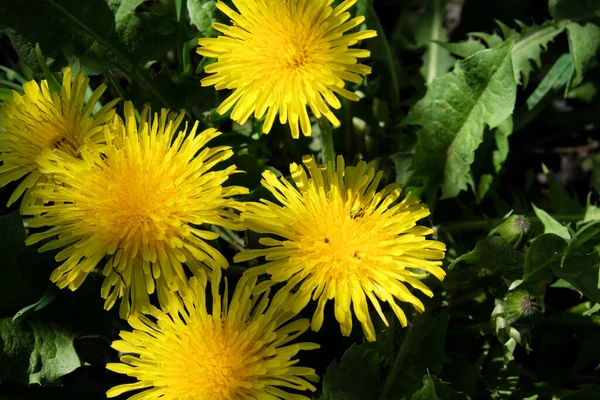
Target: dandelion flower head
[[141, 202], [241, 349], [280, 56], [337, 237], [41, 120]]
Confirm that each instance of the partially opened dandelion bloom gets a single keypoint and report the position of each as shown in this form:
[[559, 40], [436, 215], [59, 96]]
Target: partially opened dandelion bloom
[[40, 120], [281, 56], [141, 202], [339, 238], [240, 349]]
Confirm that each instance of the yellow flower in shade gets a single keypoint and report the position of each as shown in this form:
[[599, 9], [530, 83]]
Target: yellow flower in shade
[[40, 120], [338, 238], [140, 201], [238, 350], [281, 56]]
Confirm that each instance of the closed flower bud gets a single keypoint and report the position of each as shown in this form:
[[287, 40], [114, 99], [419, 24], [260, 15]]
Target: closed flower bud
[[514, 229], [521, 304]]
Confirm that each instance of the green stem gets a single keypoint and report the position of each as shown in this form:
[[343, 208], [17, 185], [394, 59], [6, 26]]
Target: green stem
[[436, 34], [328, 152]]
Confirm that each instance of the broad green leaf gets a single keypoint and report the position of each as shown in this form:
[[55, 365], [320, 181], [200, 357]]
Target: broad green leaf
[[202, 14], [36, 352], [356, 377], [581, 271], [584, 44], [545, 254], [551, 225], [493, 253], [576, 10], [53, 355], [480, 91]]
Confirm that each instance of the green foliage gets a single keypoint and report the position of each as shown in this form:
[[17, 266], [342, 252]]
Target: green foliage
[[584, 42], [492, 121], [479, 92], [45, 348]]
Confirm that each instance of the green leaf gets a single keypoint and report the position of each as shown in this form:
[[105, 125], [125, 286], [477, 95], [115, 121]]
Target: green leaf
[[575, 10], [413, 352], [494, 253], [86, 34], [36, 352], [480, 91], [560, 200], [556, 78], [584, 44], [356, 377], [16, 342], [545, 253], [202, 14], [435, 389], [463, 49], [149, 34], [530, 42], [581, 271], [53, 355], [423, 27], [551, 225]]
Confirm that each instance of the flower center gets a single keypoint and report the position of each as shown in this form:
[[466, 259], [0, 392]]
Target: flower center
[[341, 239], [292, 55], [210, 360], [135, 201]]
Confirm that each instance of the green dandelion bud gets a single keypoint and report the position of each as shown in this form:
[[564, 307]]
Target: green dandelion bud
[[514, 229], [521, 304]]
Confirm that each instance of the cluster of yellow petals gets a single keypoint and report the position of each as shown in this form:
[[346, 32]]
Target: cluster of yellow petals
[[40, 120], [338, 237], [282, 56], [140, 200], [239, 349], [134, 197]]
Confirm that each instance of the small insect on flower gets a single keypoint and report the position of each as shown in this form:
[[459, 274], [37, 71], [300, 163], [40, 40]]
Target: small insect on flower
[[140, 201], [241, 349], [282, 56], [40, 120], [339, 238]]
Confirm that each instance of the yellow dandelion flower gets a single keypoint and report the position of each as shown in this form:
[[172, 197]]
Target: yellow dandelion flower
[[339, 238], [40, 120], [281, 56], [239, 350], [141, 202]]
